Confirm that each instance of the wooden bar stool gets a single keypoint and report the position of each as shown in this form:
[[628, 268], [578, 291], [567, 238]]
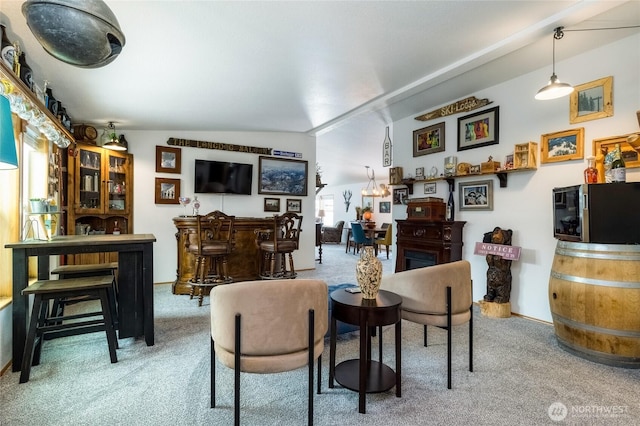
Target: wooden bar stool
[[277, 244], [41, 324], [211, 246], [88, 270]]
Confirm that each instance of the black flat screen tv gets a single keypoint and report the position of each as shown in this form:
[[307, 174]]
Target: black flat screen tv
[[220, 177]]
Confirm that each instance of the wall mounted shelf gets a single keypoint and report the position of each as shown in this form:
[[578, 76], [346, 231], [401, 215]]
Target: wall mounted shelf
[[35, 111], [502, 177]]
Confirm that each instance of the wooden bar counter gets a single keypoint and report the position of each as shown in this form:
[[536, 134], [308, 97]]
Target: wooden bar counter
[[243, 262]]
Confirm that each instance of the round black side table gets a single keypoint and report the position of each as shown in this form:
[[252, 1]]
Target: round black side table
[[364, 375]]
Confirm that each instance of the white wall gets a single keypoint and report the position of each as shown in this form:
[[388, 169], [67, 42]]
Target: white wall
[[156, 219], [340, 212], [525, 205]]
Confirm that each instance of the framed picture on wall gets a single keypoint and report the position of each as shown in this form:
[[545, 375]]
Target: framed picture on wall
[[430, 188], [168, 159], [385, 207], [272, 205], [281, 176], [294, 205], [476, 195], [428, 140], [590, 101], [399, 195], [630, 155], [562, 146], [167, 191], [479, 129]]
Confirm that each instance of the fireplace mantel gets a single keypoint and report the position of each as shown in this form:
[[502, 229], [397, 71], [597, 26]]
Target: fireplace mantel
[[423, 243]]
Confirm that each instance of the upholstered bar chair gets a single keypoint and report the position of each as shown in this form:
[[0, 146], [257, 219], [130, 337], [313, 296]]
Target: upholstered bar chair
[[439, 295], [278, 244], [268, 327], [211, 245]]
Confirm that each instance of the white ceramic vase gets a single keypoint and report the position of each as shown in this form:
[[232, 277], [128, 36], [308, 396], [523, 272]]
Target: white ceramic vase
[[369, 273]]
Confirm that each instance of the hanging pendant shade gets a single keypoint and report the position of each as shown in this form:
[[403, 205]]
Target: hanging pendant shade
[[554, 89], [8, 153], [79, 32], [111, 141]]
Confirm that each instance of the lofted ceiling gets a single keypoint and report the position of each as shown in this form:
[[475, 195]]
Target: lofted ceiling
[[339, 70]]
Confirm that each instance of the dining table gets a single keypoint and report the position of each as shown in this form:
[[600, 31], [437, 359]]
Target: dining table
[[372, 233], [135, 280]]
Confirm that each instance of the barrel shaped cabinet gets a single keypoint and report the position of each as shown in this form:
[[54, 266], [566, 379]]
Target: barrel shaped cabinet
[[594, 294]]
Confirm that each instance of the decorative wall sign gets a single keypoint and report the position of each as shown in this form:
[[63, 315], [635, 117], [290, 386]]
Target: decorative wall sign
[[279, 153], [386, 150], [219, 146], [399, 194], [504, 251], [464, 105]]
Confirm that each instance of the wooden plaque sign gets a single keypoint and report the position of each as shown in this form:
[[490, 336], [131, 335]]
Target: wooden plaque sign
[[464, 105]]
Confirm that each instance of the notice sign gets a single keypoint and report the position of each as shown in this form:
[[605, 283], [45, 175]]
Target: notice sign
[[507, 252]]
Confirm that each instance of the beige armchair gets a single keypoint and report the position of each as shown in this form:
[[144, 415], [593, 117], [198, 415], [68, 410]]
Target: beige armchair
[[333, 234], [268, 327], [439, 295]]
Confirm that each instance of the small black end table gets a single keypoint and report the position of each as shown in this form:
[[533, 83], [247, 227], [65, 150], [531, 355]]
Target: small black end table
[[364, 375]]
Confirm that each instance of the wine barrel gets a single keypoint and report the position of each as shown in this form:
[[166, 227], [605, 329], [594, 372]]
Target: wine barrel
[[594, 293]]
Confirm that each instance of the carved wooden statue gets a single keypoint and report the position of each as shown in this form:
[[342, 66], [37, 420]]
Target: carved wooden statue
[[499, 272]]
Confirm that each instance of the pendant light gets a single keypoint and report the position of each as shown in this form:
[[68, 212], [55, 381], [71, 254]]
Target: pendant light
[[372, 187], [110, 139], [554, 89], [8, 153], [79, 32]]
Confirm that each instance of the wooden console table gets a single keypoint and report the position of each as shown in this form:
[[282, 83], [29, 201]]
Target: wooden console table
[[243, 263], [424, 243]]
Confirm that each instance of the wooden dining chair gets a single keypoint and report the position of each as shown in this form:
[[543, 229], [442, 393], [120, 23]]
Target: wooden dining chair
[[386, 241]]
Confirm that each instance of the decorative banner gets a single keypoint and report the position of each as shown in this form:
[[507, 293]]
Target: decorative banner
[[219, 145], [507, 252], [464, 105], [278, 153]]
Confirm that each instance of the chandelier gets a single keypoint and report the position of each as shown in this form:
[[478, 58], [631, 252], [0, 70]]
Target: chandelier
[[372, 187]]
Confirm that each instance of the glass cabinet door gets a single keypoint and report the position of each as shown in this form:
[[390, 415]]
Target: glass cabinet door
[[89, 186], [117, 167]]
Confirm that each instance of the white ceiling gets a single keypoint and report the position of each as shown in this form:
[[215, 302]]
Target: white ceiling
[[340, 70]]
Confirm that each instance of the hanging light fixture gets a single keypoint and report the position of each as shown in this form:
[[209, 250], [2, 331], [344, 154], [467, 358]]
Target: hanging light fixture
[[554, 89], [110, 139], [372, 187], [8, 154], [78, 32]]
